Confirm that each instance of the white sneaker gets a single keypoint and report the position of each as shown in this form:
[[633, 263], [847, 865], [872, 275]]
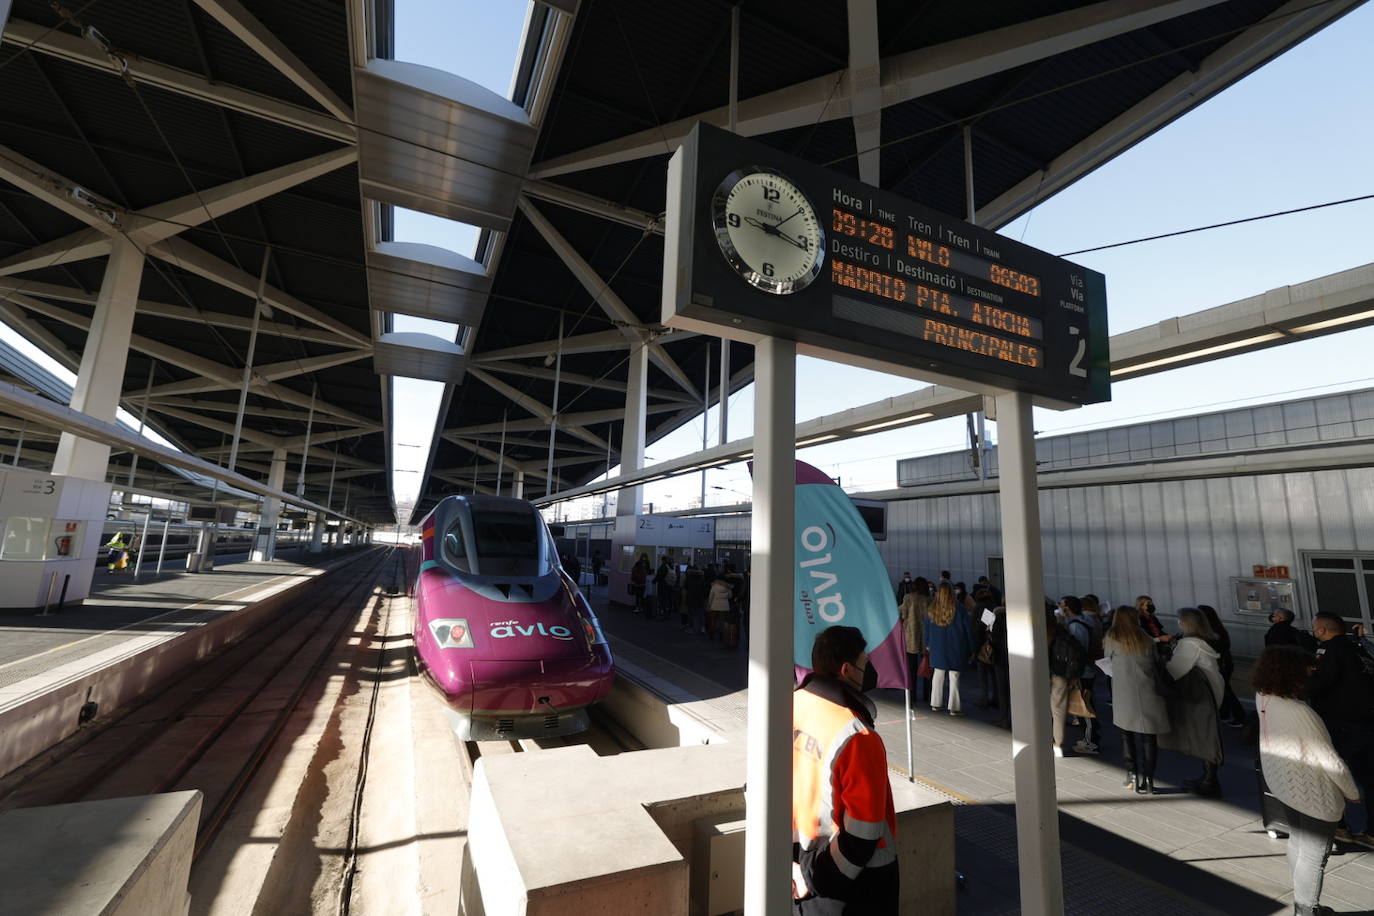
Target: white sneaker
[[1058, 751]]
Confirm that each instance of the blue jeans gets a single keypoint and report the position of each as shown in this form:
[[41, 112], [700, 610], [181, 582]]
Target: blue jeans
[[1309, 844]]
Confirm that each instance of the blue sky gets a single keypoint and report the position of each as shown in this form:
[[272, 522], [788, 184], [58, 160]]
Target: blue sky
[[1296, 132]]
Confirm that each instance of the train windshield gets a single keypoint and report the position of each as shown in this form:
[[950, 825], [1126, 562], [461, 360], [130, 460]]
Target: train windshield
[[503, 544]]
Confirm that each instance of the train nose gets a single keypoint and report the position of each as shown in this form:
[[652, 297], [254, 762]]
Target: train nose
[[535, 685]]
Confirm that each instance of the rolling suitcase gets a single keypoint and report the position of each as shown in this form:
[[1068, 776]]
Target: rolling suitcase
[[1271, 809]]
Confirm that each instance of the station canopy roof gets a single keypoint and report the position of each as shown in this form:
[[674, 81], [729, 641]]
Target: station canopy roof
[[216, 92]]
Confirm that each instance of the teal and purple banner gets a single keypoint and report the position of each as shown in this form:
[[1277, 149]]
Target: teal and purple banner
[[841, 579]]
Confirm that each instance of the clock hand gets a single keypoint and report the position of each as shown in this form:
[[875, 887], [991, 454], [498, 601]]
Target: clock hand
[[771, 229], [784, 236], [799, 210], [768, 228]]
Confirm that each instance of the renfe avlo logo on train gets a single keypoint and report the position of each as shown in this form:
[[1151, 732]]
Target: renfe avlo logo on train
[[505, 629]]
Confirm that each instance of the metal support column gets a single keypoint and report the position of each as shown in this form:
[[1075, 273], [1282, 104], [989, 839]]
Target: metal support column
[[705, 422], [248, 363], [971, 214], [723, 401], [501, 456], [142, 422], [19, 443], [519, 483], [630, 500], [768, 800], [265, 544], [1037, 823], [733, 124], [305, 449], [100, 379], [553, 408]]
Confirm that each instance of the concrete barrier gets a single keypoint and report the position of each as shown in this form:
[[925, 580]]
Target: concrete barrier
[[638, 707], [117, 857], [38, 713], [621, 838]]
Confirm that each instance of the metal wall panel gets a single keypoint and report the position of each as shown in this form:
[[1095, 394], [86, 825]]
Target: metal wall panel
[[1300, 421], [1360, 486], [1332, 494]]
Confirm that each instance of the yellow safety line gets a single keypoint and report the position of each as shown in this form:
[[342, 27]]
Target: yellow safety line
[[963, 799]]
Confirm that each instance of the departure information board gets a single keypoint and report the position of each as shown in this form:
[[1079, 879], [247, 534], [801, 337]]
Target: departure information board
[[763, 243]]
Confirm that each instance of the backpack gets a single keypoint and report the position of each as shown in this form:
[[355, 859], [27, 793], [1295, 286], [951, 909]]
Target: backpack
[[1366, 663], [1067, 656], [1095, 650]]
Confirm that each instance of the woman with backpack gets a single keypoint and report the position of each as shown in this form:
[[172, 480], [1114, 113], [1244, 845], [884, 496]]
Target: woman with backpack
[[1067, 658], [948, 634], [1137, 708]]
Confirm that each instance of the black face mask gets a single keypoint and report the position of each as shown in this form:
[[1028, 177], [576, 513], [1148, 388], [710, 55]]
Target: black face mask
[[870, 678]]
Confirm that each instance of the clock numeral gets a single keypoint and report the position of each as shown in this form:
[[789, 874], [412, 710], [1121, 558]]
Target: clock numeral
[[733, 220], [767, 269], [771, 194]]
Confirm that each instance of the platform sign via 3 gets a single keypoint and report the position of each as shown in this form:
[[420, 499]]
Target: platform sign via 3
[[760, 243]]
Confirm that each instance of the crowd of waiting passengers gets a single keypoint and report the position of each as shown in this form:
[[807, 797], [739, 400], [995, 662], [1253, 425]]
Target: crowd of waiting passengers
[[712, 601], [1314, 699], [1314, 690]]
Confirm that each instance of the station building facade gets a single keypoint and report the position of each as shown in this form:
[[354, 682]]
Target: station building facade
[[1244, 509]]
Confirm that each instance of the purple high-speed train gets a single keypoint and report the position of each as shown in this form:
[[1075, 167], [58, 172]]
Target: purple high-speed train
[[501, 631]]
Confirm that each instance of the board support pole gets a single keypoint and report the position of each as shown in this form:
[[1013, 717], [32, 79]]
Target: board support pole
[[768, 795], [1037, 814]]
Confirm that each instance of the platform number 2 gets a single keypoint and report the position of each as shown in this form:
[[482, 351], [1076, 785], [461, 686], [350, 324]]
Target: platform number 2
[[1076, 364]]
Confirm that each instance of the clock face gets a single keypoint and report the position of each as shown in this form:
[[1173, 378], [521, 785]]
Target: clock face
[[767, 230]]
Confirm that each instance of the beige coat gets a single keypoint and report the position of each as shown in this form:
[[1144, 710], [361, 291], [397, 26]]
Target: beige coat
[[913, 612]]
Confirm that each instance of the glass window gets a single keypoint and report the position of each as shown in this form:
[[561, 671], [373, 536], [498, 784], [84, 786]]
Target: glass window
[[1337, 593], [507, 543], [25, 538], [1333, 563], [455, 548]]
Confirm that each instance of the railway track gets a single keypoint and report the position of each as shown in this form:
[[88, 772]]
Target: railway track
[[212, 727]]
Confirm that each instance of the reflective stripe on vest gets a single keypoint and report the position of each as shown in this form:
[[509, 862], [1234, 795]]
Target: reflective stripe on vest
[[822, 731]]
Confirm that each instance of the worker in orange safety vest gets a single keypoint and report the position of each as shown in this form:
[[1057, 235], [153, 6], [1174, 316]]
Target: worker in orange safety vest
[[844, 825]]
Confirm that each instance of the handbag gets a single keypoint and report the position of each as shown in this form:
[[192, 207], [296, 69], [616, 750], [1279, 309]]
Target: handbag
[[1081, 704], [924, 669], [985, 654]]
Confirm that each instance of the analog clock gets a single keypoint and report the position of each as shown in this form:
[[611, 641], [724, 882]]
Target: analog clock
[[768, 230]]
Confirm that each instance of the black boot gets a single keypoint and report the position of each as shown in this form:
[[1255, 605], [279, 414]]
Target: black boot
[[1128, 752], [1209, 786], [1149, 746]]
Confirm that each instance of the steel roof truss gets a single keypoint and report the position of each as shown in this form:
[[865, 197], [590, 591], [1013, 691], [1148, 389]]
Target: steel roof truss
[[232, 15], [865, 87], [905, 76], [604, 296], [1285, 27], [77, 50], [178, 312], [204, 264]]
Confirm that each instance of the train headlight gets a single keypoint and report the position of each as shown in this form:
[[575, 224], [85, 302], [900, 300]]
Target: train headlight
[[451, 633], [592, 632]]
